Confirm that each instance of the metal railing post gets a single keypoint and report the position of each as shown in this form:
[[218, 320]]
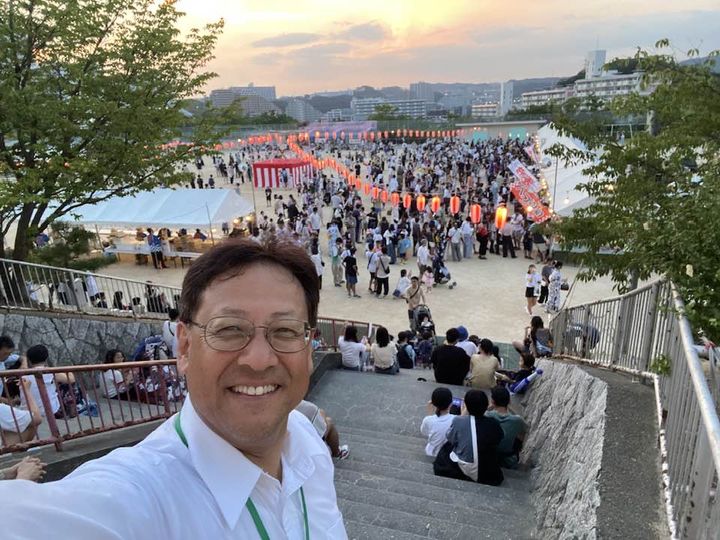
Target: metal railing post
[[647, 339], [49, 413]]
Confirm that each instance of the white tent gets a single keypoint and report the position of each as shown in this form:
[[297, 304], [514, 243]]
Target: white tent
[[567, 196], [175, 209]]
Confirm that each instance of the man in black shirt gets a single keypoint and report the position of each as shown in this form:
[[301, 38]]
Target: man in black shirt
[[451, 363]]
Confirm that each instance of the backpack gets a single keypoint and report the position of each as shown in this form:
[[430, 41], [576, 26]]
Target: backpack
[[403, 357]]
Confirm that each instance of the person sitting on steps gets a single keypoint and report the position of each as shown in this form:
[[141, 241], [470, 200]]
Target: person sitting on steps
[[435, 426], [513, 426], [470, 452]]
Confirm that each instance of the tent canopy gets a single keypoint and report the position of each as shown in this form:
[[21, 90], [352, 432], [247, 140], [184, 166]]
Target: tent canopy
[[181, 208], [567, 196]]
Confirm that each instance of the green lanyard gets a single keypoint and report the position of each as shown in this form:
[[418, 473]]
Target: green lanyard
[[250, 505]]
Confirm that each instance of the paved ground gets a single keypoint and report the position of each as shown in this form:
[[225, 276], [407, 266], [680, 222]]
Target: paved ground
[[489, 299]]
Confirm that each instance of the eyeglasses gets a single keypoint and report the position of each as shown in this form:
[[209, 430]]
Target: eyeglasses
[[230, 334]]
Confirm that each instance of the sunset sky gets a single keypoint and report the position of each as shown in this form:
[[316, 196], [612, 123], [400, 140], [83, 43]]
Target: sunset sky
[[306, 46]]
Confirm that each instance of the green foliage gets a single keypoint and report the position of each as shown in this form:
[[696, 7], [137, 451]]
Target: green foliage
[[571, 80], [660, 365], [70, 244], [623, 66], [89, 91], [385, 111], [657, 196]]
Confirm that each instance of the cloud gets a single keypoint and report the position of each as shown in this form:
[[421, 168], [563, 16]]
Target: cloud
[[370, 31], [287, 40], [323, 49]]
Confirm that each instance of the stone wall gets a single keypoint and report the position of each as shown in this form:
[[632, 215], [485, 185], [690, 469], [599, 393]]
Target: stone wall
[[566, 412], [76, 339]]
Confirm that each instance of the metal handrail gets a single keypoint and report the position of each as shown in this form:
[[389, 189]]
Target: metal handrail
[[702, 391], [645, 332]]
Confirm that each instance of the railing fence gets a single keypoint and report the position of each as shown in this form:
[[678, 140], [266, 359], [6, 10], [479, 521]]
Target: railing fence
[[645, 332]]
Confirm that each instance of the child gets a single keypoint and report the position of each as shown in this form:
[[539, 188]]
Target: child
[[427, 325], [424, 350], [403, 247], [436, 425], [527, 367], [403, 284], [428, 279], [532, 282]]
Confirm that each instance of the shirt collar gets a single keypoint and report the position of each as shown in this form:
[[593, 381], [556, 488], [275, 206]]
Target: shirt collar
[[230, 476]]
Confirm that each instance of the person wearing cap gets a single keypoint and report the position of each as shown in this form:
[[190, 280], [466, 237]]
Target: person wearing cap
[[436, 424], [466, 345]]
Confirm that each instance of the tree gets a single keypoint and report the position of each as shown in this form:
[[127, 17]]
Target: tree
[[89, 92], [657, 195], [384, 111]]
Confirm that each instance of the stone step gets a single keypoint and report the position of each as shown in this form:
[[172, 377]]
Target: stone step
[[513, 491], [365, 531], [456, 510], [410, 439], [425, 526], [401, 473], [387, 440], [423, 464]]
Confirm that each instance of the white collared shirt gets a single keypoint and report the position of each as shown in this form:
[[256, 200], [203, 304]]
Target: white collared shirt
[[161, 489]]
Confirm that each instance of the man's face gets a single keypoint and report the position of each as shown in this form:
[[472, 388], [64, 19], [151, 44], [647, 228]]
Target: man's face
[[260, 294]]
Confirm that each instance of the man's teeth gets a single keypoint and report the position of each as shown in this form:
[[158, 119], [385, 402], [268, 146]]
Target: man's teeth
[[255, 390]]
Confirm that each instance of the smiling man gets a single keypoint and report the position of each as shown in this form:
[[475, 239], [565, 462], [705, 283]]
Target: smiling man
[[237, 461]]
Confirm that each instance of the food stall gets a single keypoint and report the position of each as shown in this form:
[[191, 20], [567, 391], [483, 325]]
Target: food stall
[[121, 222]]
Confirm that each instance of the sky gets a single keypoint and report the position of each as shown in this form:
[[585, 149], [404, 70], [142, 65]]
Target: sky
[[305, 46]]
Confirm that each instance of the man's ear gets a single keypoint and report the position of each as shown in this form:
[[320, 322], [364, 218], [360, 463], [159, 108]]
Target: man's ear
[[183, 348]]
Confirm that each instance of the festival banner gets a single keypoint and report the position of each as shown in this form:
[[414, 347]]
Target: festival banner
[[532, 153], [534, 208], [524, 176]]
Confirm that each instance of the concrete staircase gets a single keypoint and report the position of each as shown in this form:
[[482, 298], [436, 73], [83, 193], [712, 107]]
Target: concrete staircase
[[386, 488]]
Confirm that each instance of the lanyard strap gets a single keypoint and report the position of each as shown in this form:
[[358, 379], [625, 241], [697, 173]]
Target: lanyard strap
[[250, 505]]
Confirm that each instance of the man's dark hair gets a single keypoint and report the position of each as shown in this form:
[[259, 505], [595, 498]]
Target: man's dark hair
[[37, 354], [452, 335], [6, 342], [441, 398], [476, 402], [173, 313], [231, 257], [486, 346], [500, 396]]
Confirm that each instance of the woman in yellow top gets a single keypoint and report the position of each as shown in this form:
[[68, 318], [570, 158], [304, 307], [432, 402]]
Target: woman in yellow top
[[483, 367]]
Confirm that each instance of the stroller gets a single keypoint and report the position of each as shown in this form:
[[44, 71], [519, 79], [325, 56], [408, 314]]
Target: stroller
[[440, 272], [419, 313]]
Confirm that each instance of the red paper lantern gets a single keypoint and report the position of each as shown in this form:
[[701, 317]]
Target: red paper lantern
[[386, 134], [407, 201], [372, 135], [384, 195], [366, 188], [327, 135], [500, 217], [317, 134], [475, 213], [420, 202], [454, 204], [342, 135], [375, 192], [395, 199], [358, 183], [435, 204]]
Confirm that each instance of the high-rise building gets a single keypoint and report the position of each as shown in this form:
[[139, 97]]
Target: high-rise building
[[506, 98], [594, 62], [302, 111], [609, 85], [423, 90], [225, 96], [484, 110], [362, 108], [256, 105]]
